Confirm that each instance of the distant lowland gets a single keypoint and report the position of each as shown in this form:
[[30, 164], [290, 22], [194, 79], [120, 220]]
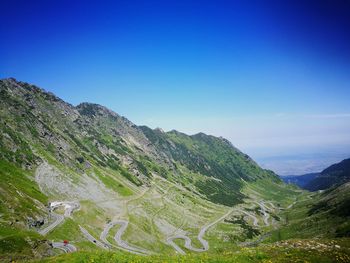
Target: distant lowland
[[302, 163]]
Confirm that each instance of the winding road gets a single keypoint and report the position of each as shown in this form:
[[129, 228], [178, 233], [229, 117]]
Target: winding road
[[266, 215], [124, 244], [58, 220], [121, 243], [67, 248], [188, 242], [69, 207], [89, 237], [255, 219]]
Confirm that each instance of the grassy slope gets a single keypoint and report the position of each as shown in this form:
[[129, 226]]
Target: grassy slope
[[19, 198], [18, 244], [268, 253], [295, 225], [18, 192], [324, 215], [203, 174], [221, 166], [334, 175]]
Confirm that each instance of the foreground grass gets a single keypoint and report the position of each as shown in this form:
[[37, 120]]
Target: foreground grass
[[19, 245], [320, 251]]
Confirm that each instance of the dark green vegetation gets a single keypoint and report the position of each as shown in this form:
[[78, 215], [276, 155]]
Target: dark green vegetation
[[299, 180], [37, 125], [324, 215], [16, 245], [249, 231], [17, 194], [334, 175], [20, 201], [213, 157], [159, 181]]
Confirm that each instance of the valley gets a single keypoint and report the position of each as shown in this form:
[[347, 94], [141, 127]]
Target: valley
[[82, 183]]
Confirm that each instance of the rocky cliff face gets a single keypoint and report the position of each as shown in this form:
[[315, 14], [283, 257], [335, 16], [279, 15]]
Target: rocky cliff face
[[38, 127]]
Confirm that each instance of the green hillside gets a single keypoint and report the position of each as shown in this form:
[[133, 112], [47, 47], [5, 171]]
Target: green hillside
[[334, 175], [90, 176]]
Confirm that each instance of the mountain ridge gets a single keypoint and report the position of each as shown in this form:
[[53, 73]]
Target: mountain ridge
[[333, 176], [299, 180], [162, 188], [86, 114]]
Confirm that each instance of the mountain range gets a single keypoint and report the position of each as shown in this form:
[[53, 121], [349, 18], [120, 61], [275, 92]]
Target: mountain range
[[334, 175], [84, 179]]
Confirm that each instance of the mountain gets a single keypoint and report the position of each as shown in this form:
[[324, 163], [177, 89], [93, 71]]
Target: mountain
[[334, 175], [318, 215], [53, 151], [299, 180], [38, 127], [90, 177]]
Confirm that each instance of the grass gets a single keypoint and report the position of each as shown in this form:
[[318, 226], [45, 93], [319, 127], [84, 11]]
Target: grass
[[17, 192], [204, 174], [68, 230], [19, 244], [281, 194], [112, 183], [265, 254], [303, 221]]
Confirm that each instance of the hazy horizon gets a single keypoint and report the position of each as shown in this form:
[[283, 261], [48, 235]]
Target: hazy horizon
[[272, 77]]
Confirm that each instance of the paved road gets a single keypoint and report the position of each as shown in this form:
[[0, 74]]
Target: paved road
[[93, 240], [67, 248], [104, 234], [105, 244], [291, 205], [121, 243], [255, 219], [69, 208], [124, 244], [256, 242], [265, 214], [188, 242], [58, 220]]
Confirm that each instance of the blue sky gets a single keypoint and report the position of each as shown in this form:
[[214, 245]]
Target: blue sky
[[271, 76]]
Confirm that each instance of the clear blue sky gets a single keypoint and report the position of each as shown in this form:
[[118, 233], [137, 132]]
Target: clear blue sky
[[271, 76]]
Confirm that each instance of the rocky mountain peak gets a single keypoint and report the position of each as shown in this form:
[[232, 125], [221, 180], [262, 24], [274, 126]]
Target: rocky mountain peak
[[93, 109]]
